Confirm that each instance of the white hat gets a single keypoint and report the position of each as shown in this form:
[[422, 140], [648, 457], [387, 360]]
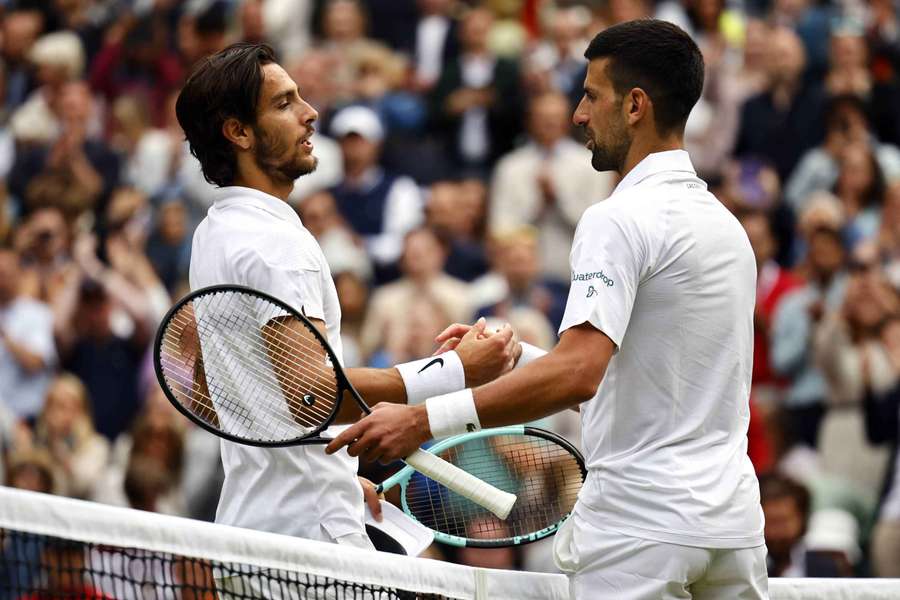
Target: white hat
[[833, 529], [360, 120]]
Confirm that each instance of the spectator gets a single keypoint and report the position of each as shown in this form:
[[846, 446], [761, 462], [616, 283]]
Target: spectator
[[846, 123], [860, 189], [27, 354], [456, 213], [58, 59], [422, 263], [32, 470], [475, 102], [20, 28], [149, 153], [799, 314], [378, 205], [65, 430], [557, 63], [169, 244], [802, 543], [105, 353], [78, 173], [517, 261], [436, 42], [851, 354], [547, 183], [147, 464], [42, 241], [786, 506], [784, 121], [135, 59], [772, 284], [882, 419]]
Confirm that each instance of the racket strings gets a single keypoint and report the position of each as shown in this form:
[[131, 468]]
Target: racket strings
[[263, 373], [247, 369], [545, 476]]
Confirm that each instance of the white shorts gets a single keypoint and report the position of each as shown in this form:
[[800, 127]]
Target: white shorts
[[604, 564], [272, 584]]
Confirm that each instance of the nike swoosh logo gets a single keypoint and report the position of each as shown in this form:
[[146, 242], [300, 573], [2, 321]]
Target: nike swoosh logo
[[437, 361]]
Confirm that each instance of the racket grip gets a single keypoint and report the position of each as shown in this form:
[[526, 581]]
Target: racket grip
[[465, 484]]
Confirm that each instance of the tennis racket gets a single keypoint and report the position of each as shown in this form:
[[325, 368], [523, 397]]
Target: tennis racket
[[544, 470], [251, 369]]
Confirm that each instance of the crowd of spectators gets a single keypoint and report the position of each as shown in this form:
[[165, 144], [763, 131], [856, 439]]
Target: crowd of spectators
[[450, 182]]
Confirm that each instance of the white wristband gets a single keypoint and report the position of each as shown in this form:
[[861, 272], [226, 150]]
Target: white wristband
[[432, 376], [452, 414], [529, 353]]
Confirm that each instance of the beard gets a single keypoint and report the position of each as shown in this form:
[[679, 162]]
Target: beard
[[275, 158], [610, 155]]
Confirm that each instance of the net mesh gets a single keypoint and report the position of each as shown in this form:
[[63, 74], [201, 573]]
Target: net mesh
[[61, 548]]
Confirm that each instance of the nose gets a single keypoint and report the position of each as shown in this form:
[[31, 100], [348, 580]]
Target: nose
[[580, 116], [309, 114]]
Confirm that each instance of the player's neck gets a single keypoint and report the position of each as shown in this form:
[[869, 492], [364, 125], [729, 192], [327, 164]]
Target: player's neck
[[642, 147], [257, 180]]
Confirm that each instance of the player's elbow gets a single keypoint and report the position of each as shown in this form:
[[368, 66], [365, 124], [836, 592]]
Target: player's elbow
[[585, 377]]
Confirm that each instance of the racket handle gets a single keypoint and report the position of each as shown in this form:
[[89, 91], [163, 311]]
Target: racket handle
[[465, 484]]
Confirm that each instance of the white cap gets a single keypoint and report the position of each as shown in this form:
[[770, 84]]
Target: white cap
[[833, 529], [360, 120]]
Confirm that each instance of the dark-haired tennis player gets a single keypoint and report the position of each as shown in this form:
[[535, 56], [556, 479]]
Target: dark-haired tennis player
[[655, 346], [249, 128]]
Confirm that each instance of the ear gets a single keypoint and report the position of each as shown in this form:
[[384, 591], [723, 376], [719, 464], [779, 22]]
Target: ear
[[636, 106], [237, 133]]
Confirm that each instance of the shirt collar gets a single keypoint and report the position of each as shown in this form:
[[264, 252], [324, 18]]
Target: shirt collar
[[658, 162], [235, 194]]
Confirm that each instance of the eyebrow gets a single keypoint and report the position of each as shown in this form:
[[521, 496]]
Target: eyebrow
[[282, 95]]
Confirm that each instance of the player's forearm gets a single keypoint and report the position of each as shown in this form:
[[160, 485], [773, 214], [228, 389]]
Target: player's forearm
[[374, 385], [378, 385], [547, 385]]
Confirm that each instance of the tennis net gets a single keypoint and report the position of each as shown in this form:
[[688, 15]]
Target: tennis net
[[56, 547], [52, 547]]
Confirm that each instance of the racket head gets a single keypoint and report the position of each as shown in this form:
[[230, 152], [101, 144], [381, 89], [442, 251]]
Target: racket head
[[544, 470], [221, 355]]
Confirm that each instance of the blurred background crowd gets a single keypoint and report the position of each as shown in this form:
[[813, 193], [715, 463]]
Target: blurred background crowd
[[449, 185]]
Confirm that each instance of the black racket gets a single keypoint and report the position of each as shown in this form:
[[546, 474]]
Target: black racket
[[251, 369]]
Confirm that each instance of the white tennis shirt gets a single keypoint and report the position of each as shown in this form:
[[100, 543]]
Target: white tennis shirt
[[251, 238], [666, 272]]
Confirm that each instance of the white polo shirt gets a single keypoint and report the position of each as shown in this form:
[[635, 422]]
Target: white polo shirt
[[665, 271], [254, 239]]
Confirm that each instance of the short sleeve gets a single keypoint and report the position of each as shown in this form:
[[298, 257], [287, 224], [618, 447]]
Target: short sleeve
[[607, 261], [297, 285]]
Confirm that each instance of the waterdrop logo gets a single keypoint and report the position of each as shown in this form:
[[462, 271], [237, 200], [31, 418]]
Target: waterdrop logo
[[599, 276]]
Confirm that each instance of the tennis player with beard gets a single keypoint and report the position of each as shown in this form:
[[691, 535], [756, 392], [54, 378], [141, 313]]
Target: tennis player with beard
[[655, 347], [249, 127]]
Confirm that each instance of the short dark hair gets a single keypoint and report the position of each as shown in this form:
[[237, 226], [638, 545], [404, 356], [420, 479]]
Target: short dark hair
[[658, 57], [773, 486], [222, 86]]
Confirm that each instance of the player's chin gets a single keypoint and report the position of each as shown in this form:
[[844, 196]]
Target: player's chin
[[306, 164]]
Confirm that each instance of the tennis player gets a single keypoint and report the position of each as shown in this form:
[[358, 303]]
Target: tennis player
[[250, 129], [655, 347]]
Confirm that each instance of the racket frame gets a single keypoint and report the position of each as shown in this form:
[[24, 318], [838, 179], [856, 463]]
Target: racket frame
[[403, 476], [341, 381]]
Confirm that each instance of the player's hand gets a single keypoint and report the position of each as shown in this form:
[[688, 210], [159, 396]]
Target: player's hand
[[372, 498], [452, 335], [485, 356], [391, 432]]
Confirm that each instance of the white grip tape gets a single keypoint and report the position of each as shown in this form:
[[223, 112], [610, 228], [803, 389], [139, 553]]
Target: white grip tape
[[465, 484]]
